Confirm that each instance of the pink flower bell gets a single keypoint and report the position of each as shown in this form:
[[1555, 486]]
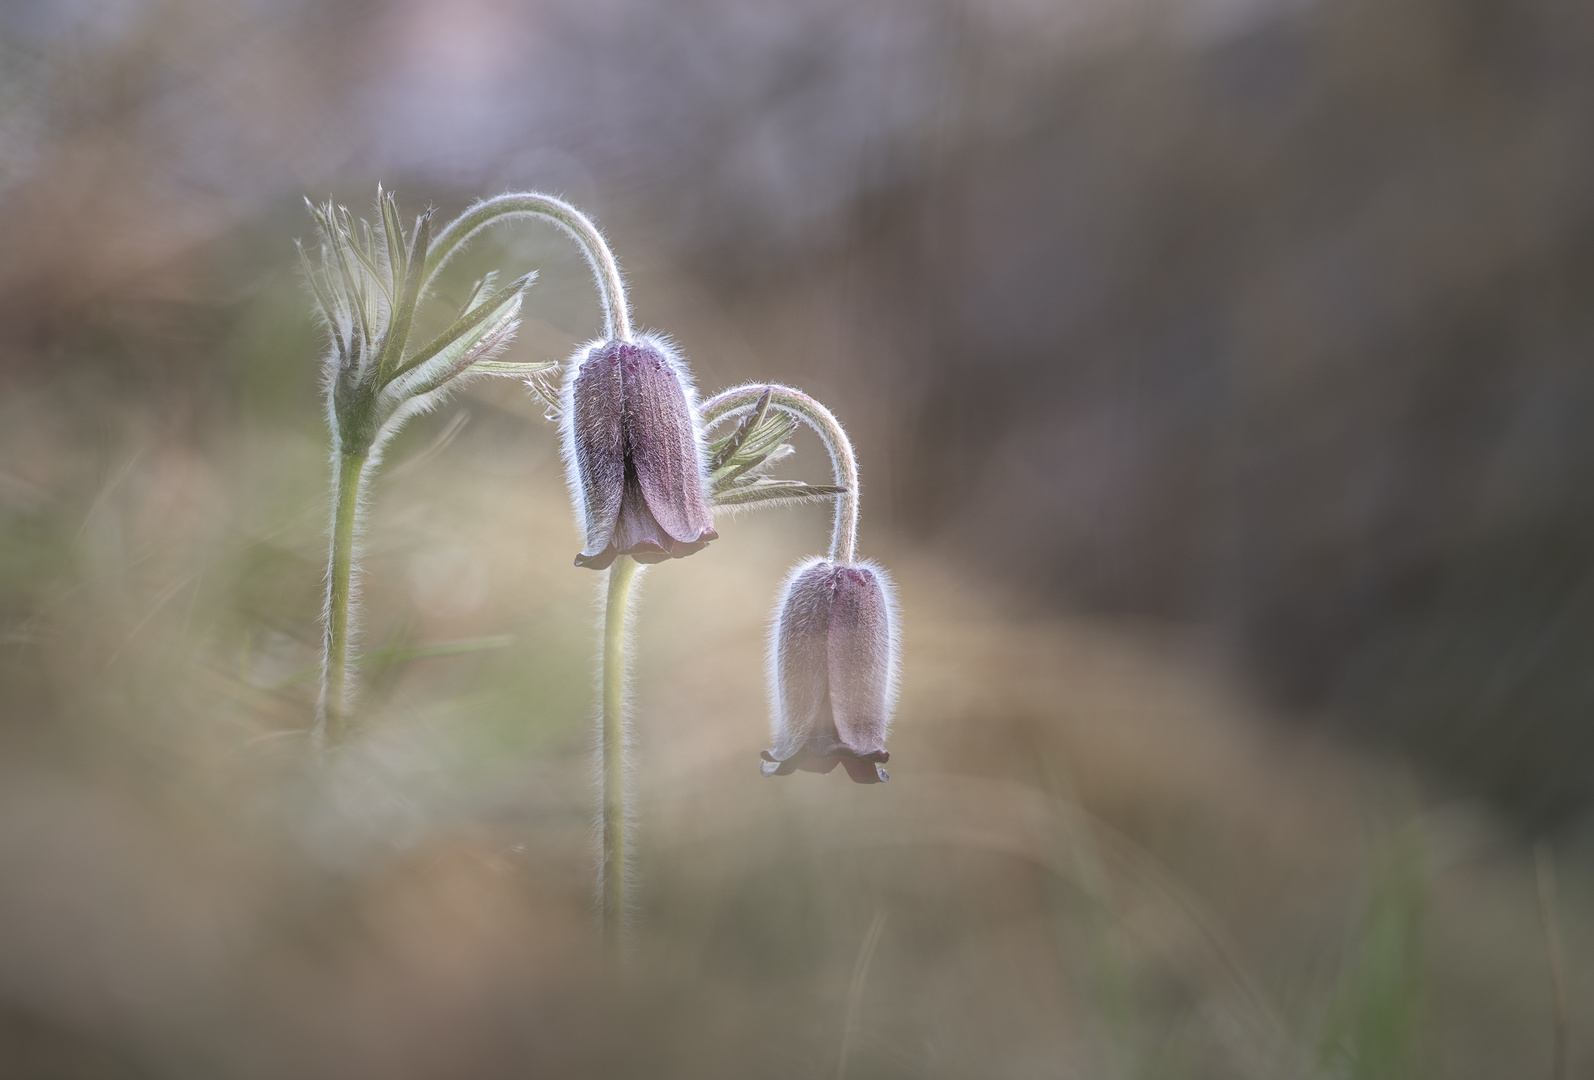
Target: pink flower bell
[[634, 455], [833, 670]]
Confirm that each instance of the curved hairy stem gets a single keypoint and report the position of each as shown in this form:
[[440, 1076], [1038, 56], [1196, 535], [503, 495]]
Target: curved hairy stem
[[844, 463], [621, 575], [611, 287], [332, 720]]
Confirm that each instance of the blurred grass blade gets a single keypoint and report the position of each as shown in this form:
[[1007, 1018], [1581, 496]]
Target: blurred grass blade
[[456, 424], [404, 654], [860, 974], [1374, 1023], [1549, 913]]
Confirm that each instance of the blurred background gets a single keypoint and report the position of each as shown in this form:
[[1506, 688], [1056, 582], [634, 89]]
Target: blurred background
[[1219, 373]]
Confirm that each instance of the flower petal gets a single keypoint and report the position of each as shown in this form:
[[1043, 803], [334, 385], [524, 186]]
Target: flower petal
[[661, 442], [798, 661], [865, 770], [637, 532], [832, 666], [597, 445], [860, 659], [821, 756]]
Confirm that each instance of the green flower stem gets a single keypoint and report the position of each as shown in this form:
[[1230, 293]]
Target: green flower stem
[[811, 411], [621, 575], [340, 575], [611, 286]]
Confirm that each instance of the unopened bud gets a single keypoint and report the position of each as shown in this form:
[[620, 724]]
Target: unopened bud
[[833, 670], [635, 456]]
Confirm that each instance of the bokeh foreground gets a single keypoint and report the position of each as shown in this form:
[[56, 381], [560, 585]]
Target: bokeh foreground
[[1095, 857]]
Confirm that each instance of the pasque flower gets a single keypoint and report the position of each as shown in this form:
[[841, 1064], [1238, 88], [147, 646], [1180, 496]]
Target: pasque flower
[[832, 670], [833, 643], [635, 455], [642, 474]]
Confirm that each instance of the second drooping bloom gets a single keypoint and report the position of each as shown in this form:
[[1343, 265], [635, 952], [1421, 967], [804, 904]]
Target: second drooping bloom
[[833, 670], [635, 455]]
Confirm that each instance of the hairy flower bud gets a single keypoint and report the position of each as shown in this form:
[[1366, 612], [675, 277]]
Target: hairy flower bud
[[635, 455], [833, 670]]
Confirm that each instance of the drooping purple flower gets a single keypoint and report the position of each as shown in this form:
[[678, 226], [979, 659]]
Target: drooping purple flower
[[833, 670], [635, 455]]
